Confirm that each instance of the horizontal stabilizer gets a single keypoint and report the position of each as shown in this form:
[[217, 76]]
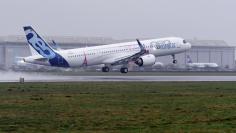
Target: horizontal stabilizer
[[42, 59]]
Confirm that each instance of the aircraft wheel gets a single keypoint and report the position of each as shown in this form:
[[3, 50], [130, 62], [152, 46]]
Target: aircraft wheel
[[105, 69], [124, 70], [174, 61]]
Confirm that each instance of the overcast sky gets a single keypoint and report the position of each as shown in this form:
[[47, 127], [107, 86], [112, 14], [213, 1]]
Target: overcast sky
[[202, 19]]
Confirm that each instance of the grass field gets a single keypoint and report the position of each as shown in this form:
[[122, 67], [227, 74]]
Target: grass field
[[118, 107]]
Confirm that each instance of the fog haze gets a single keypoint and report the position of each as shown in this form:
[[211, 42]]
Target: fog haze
[[203, 19]]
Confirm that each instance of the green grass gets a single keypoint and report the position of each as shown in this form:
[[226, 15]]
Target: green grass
[[118, 107]]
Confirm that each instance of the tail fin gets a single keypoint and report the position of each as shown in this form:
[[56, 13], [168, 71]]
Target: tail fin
[[37, 44], [189, 60]]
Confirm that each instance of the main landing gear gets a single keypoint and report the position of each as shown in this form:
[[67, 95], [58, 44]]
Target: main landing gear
[[124, 70], [105, 69], [174, 60]]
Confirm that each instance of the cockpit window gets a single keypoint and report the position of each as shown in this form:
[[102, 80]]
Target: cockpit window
[[184, 41]]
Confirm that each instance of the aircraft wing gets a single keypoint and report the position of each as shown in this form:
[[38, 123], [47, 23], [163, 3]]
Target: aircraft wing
[[119, 59], [126, 59]]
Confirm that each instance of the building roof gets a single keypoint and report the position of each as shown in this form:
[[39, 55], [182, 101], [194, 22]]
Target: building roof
[[209, 43], [107, 40], [63, 39]]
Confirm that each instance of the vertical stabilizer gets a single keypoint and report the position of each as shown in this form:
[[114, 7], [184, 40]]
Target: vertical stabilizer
[[37, 44], [40, 47]]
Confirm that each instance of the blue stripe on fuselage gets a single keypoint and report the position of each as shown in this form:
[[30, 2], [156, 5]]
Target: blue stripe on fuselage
[[59, 61]]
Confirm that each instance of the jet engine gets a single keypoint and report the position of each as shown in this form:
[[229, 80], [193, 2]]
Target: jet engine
[[146, 60]]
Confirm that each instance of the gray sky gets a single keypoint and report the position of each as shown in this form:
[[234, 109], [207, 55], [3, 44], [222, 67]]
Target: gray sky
[[203, 19]]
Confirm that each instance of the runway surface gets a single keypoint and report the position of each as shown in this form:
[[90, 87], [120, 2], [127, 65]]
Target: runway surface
[[50, 78]]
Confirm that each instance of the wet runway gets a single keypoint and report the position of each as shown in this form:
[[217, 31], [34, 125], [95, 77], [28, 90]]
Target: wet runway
[[54, 78]]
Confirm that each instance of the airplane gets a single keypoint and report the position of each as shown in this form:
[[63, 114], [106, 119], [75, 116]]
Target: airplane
[[141, 53], [190, 64]]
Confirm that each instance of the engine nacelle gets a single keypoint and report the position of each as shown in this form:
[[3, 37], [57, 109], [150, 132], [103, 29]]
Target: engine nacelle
[[146, 60]]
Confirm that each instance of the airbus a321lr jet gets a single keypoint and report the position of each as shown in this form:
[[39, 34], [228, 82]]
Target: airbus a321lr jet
[[142, 53]]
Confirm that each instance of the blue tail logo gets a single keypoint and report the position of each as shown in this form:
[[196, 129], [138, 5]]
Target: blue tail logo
[[44, 49], [38, 43]]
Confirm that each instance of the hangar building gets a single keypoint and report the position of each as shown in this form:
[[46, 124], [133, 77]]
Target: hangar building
[[205, 51], [217, 51]]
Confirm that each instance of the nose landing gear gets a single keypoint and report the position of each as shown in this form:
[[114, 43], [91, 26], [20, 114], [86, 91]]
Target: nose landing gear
[[174, 60]]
